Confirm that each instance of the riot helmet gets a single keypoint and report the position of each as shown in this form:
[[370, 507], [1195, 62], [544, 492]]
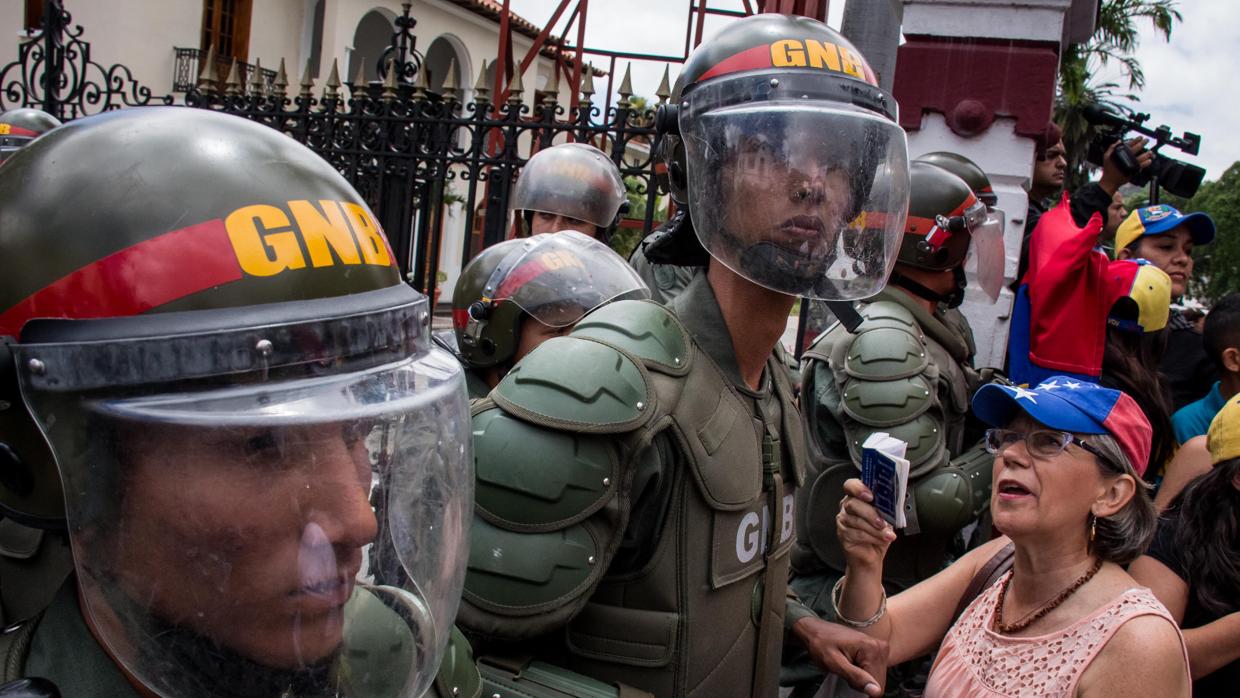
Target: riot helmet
[[215, 359], [20, 126], [942, 214], [570, 180], [775, 136], [987, 255], [552, 278]]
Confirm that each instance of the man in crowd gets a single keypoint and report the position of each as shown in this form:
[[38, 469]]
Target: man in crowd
[[1101, 197], [905, 371], [571, 186], [1167, 238], [660, 451], [1222, 345]]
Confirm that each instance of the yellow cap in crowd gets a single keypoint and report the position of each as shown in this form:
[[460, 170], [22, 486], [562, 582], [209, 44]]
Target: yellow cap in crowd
[[1224, 436]]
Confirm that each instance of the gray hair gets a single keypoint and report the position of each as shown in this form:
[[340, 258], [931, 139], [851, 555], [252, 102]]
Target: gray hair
[[1125, 535]]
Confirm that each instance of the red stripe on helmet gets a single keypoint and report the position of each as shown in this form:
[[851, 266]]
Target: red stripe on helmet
[[519, 277], [19, 131], [749, 59], [460, 318], [133, 280]]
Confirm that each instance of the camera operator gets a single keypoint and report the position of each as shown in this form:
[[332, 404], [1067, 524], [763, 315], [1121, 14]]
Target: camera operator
[[1049, 171]]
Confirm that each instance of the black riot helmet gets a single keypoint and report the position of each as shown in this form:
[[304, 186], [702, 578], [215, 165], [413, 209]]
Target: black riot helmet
[[571, 180], [987, 256], [775, 135], [214, 377], [942, 213], [552, 278], [20, 126]]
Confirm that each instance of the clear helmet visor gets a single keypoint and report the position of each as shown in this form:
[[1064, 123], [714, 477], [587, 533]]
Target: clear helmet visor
[[559, 277], [575, 180], [288, 532], [803, 196], [987, 256]]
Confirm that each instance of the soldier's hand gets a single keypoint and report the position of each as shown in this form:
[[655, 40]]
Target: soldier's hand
[[863, 534], [853, 655]]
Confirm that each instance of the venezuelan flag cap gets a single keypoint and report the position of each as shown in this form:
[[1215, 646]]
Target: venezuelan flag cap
[[1156, 220], [1072, 405], [1140, 295]]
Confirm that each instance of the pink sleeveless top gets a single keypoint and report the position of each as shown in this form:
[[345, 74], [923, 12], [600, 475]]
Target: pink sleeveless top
[[976, 662]]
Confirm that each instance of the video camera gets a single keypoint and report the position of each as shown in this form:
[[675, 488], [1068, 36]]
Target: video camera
[[1179, 178]]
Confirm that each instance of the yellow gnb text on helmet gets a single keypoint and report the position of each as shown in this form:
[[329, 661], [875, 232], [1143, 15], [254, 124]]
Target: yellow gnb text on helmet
[[268, 240], [795, 53]]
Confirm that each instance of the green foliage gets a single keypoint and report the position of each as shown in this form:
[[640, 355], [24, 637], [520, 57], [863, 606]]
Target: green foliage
[[624, 240], [1114, 41], [1216, 270]]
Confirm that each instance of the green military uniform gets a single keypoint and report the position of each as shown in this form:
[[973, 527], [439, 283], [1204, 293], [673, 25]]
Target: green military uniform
[[903, 372], [676, 515]]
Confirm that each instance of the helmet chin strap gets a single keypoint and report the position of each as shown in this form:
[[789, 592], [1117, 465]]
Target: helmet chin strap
[[951, 300]]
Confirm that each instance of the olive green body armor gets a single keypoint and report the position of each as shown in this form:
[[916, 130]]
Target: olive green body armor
[[563, 451], [904, 372]]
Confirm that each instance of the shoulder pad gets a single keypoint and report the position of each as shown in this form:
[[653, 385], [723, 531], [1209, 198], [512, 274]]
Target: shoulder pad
[[529, 478], [885, 403], [578, 384], [889, 344], [927, 444], [644, 329], [525, 584]]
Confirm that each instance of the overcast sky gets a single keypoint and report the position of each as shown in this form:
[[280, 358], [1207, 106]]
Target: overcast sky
[[1188, 81]]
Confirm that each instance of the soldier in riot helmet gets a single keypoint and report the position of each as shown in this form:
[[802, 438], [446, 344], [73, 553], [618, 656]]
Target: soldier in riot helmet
[[986, 246], [19, 127], [637, 477], [519, 293], [571, 186], [211, 368], [904, 371]]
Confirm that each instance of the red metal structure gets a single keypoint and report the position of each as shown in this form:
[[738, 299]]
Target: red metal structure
[[570, 57]]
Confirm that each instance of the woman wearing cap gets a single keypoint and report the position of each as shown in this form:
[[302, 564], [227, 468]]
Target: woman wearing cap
[[1167, 237], [1066, 619], [1193, 565]]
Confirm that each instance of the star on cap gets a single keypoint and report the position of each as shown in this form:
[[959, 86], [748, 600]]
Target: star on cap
[[1049, 385], [1071, 385], [1021, 393]]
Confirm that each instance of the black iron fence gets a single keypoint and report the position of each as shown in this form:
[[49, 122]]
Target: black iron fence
[[410, 152]]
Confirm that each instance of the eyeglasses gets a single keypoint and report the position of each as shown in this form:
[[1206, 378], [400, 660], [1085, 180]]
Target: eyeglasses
[[1041, 443]]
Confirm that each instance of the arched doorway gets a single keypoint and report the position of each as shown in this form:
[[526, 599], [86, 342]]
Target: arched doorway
[[443, 52], [370, 40]]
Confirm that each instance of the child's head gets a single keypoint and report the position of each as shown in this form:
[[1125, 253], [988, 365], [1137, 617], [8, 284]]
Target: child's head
[[1222, 336]]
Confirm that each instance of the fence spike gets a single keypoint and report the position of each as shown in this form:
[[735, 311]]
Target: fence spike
[[665, 89], [389, 83], [626, 85], [449, 82], [516, 87], [332, 90], [233, 84], [258, 85], [359, 81], [553, 88], [281, 82], [307, 82], [587, 82], [481, 89], [422, 85], [207, 78]]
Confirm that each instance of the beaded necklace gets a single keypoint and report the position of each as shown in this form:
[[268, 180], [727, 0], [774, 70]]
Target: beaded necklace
[[1033, 616]]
